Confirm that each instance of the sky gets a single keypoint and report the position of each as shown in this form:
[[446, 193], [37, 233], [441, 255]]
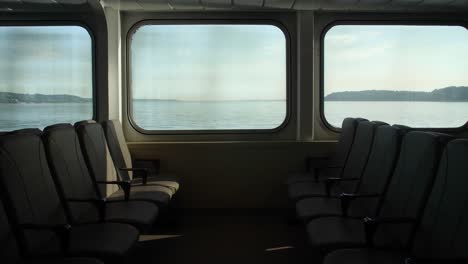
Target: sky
[[46, 59], [209, 62], [235, 62], [411, 58]]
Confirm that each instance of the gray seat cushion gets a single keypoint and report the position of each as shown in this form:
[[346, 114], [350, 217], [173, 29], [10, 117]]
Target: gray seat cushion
[[376, 175], [102, 240], [9, 252], [309, 208], [121, 155], [31, 192], [302, 190], [152, 193], [353, 167], [343, 148], [364, 256], [310, 177], [443, 231], [329, 233], [406, 195], [138, 213], [166, 180], [96, 151]]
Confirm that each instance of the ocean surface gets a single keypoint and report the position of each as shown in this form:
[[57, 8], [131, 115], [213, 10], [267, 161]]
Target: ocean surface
[[180, 115]]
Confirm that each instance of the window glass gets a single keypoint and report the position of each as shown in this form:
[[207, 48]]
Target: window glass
[[208, 77], [45, 76], [410, 75]]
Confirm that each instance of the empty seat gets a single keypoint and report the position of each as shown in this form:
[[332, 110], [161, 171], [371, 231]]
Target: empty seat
[[442, 235], [319, 169], [78, 189], [147, 174], [10, 253], [405, 197], [364, 199], [352, 170], [95, 151], [35, 206]]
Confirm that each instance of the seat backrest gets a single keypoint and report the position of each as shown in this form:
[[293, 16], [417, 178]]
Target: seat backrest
[[118, 147], [443, 231], [360, 150], [9, 252], [29, 191], [96, 153], [411, 183], [379, 168], [343, 148], [70, 171]]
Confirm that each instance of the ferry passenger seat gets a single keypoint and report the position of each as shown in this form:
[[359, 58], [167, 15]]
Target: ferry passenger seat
[[321, 168], [10, 252], [146, 172], [78, 189], [32, 200], [352, 170], [95, 149], [364, 199], [402, 203], [442, 235]]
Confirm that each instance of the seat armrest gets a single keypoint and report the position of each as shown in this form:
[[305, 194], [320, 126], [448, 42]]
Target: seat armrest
[[62, 231], [347, 198], [143, 176], [148, 163], [372, 224], [329, 182], [100, 205], [125, 185]]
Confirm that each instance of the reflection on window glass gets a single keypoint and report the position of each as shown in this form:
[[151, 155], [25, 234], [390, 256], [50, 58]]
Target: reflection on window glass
[[45, 76], [410, 75], [208, 77]]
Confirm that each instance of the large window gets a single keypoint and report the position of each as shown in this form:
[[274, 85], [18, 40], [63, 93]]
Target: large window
[[208, 77], [413, 75], [45, 76]]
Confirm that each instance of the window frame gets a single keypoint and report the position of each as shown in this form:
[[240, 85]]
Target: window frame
[[230, 21], [376, 22], [64, 23]]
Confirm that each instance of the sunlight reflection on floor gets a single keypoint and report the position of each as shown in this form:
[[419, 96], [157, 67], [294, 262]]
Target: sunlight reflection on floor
[[156, 237], [278, 248]]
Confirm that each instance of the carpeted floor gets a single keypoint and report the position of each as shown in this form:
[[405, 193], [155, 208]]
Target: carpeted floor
[[223, 236]]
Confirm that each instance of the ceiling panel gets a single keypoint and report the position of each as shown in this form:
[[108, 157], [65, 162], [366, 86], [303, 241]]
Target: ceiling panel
[[349, 5], [50, 2], [406, 2], [185, 4], [217, 3], [72, 2], [279, 3], [250, 3], [374, 2], [436, 2]]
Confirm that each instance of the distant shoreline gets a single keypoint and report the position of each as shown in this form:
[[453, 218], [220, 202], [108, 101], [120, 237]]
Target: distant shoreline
[[19, 98], [448, 94]]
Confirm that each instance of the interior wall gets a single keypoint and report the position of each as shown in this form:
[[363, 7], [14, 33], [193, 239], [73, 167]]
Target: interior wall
[[223, 172], [231, 174]]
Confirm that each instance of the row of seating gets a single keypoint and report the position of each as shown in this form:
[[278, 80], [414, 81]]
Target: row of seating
[[49, 184], [391, 194]]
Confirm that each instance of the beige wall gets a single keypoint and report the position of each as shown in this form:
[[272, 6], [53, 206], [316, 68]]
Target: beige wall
[[231, 174]]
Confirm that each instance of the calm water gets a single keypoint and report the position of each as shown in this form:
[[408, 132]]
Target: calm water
[[179, 115], [415, 114], [166, 115]]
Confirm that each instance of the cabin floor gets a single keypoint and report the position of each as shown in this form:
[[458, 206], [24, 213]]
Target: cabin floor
[[226, 236]]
